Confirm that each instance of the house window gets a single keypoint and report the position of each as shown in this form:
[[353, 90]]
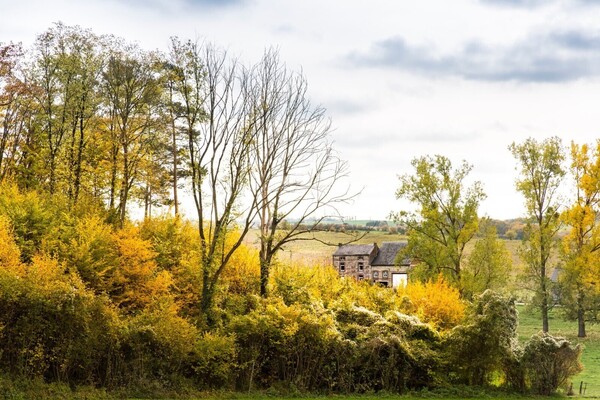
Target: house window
[[361, 266], [360, 257], [375, 274], [342, 266], [361, 278], [384, 274], [342, 258]]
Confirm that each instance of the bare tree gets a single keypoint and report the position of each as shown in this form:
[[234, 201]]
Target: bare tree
[[296, 172], [219, 129]]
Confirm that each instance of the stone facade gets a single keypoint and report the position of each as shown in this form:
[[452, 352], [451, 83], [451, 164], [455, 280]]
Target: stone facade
[[374, 263]]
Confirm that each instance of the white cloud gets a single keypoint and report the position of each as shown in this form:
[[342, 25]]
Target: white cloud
[[383, 117]]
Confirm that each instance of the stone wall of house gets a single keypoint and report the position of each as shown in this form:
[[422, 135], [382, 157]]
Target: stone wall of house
[[357, 267]]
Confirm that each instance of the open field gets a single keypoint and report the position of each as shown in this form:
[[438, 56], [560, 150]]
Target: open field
[[531, 323], [319, 251]]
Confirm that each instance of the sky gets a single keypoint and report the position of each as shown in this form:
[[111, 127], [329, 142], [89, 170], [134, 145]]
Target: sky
[[399, 79]]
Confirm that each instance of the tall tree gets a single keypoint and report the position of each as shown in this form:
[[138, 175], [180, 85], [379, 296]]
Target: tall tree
[[541, 173], [132, 91], [184, 80], [296, 172], [446, 218], [489, 263], [87, 53], [16, 109], [219, 131], [580, 246]]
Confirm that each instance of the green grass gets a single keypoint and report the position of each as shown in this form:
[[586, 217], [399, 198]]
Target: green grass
[[530, 323]]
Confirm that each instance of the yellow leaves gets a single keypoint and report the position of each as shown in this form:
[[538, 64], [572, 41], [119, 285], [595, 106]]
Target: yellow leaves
[[136, 282], [242, 274], [10, 255], [435, 302], [580, 244]]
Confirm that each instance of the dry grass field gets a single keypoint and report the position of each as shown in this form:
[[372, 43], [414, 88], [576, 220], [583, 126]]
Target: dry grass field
[[320, 250]]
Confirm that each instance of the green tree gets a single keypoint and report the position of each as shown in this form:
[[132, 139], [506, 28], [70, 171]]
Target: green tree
[[446, 218], [541, 173], [132, 92], [489, 264]]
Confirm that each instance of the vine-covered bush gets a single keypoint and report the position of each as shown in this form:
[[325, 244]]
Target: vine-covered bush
[[548, 362]]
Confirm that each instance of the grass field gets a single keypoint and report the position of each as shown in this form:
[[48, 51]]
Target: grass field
[[530, 323]]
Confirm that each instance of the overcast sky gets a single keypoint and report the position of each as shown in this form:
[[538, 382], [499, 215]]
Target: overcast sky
[[400, 79]]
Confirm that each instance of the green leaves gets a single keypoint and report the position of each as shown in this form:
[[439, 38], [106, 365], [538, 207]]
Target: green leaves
[[446, 219]]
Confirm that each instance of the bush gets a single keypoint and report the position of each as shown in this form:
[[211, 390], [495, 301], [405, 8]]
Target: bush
[[435, 302], [53, 327], [487, 343], [549, 362]]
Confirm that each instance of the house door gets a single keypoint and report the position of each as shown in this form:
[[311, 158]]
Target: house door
[[399, 279]]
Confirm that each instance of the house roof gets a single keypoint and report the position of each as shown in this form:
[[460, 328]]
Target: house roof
[[388, 252], [354, 250]]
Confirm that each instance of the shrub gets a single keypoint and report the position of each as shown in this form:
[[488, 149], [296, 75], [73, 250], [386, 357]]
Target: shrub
[[53, 327], [486, 343], [214, 360], [435, 302], [549, 362]]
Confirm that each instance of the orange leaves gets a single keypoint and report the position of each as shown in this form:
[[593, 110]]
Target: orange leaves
[[137, 282], [435, 302]]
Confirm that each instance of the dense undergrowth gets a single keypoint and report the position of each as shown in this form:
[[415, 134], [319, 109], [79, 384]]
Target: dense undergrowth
[[88, 307]]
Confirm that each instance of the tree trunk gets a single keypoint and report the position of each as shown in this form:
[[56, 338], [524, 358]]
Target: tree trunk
[[581, 314], [265, 266], [79, 159], [124, 187], [175, 161], [544, 306]]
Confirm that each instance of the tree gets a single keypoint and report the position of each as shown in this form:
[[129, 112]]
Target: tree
[[489, 263], [296, 172], [219, 130], [15, 108], [446, 219], [580, 246], [541, 173], [132, 92]]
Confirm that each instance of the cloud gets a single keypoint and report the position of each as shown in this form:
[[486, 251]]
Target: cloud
[[534, 3], [215, 3], [552, 57], [347, 107], [517, 3]]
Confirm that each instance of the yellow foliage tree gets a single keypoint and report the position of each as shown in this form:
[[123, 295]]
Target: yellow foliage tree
[[435, 302], [580, 246]]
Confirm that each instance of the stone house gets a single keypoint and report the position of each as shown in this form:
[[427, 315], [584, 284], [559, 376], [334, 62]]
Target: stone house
[[374, 263]]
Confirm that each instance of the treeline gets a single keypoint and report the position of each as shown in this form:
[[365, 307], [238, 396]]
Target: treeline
[[85, 302], [105, 122]]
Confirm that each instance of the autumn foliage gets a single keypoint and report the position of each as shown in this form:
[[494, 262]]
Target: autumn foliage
[[436, 302]]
